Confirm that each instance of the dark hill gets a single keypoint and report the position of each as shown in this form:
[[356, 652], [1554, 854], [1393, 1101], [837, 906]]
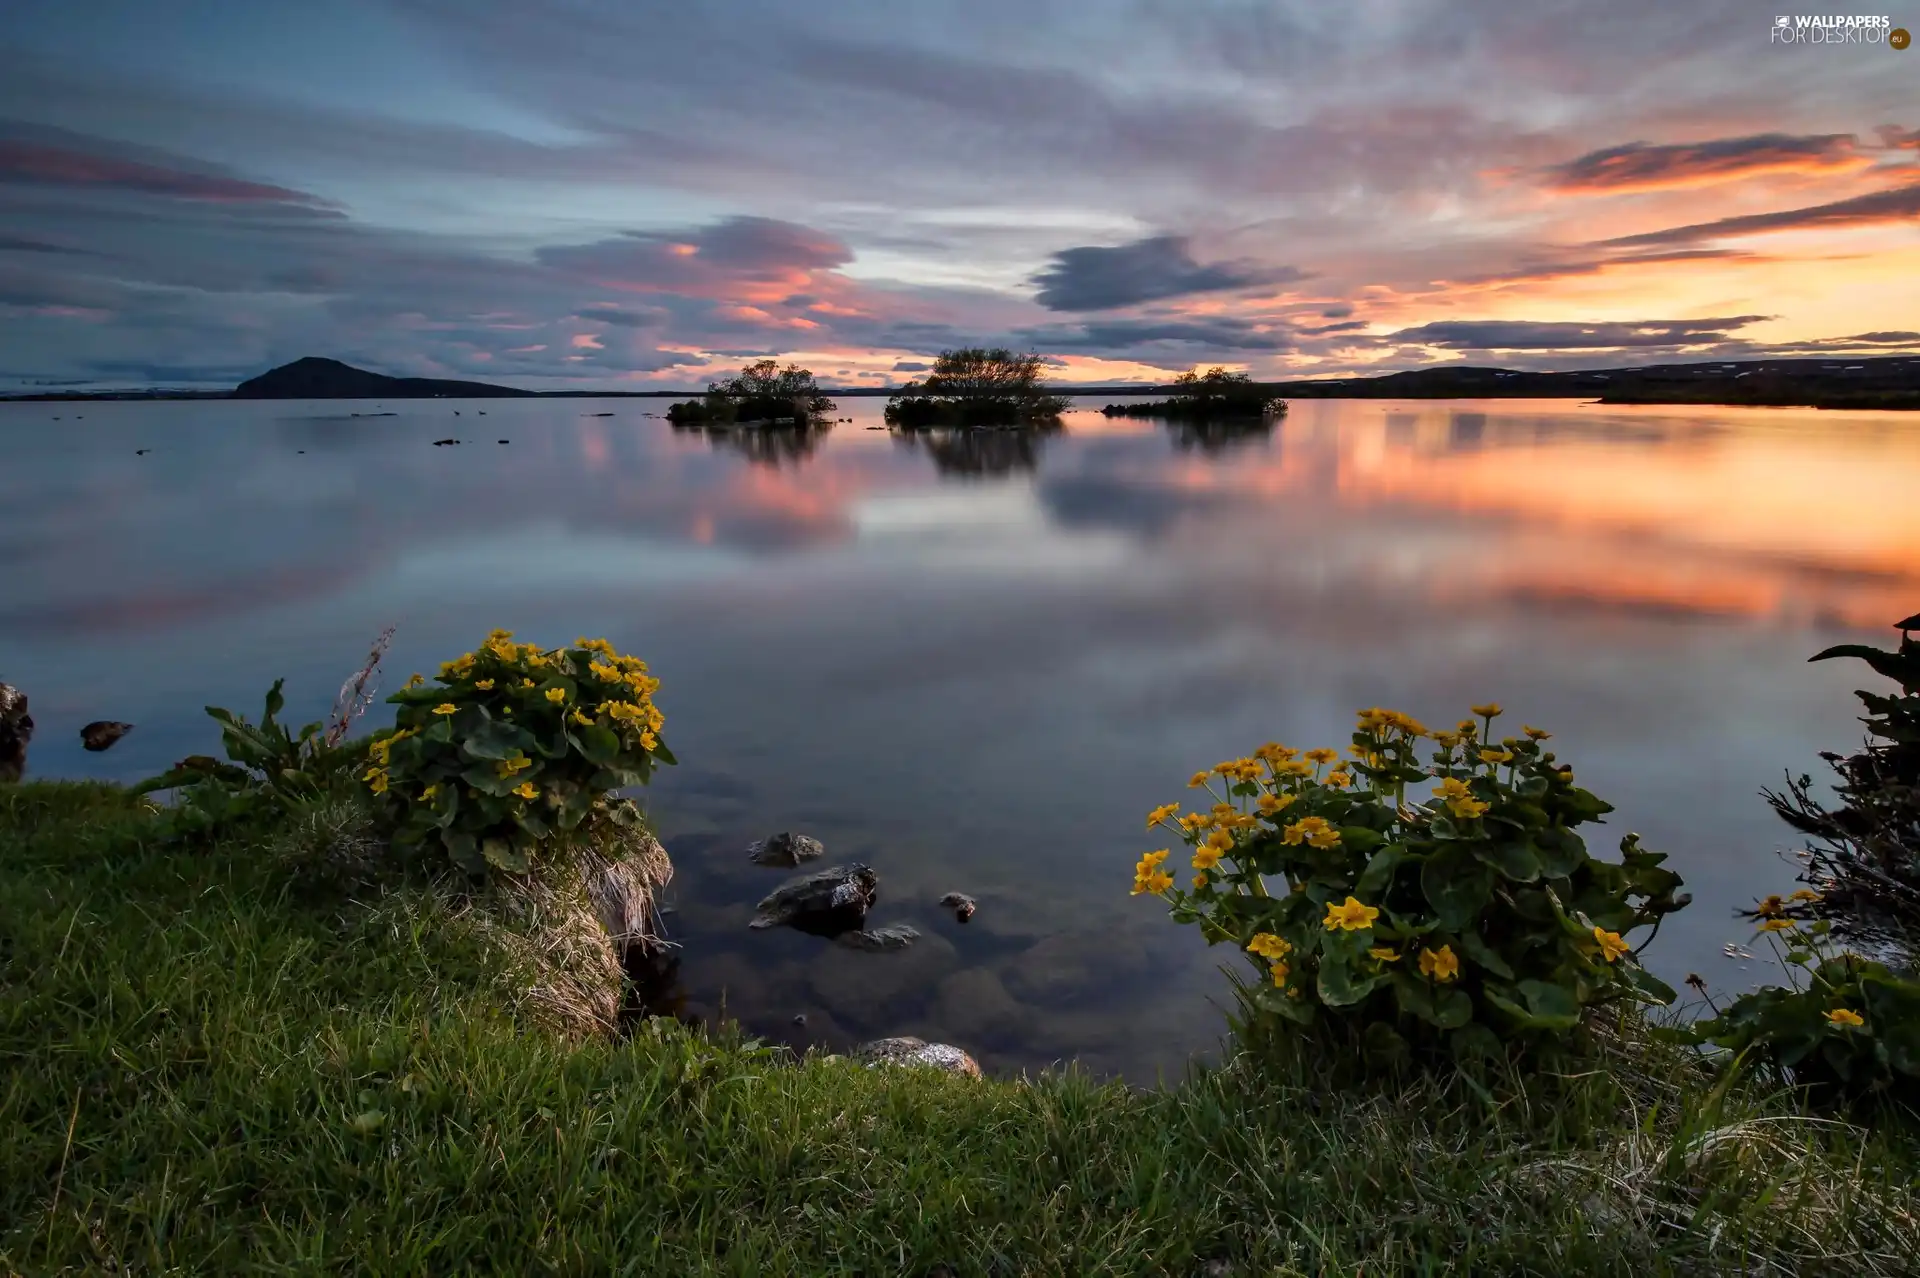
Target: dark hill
[[313, 378]]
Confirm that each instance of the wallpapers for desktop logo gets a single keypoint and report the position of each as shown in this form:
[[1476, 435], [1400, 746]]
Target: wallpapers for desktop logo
[[1838, 29]]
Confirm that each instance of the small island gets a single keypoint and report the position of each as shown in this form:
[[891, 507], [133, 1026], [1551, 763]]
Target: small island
[[763, 394], [976, 387], [1214, 395]]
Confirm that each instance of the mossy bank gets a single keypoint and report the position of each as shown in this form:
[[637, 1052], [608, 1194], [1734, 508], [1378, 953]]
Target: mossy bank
[[261, 1055]]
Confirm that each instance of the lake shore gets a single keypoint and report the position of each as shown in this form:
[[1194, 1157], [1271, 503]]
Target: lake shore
[[240, 1056]]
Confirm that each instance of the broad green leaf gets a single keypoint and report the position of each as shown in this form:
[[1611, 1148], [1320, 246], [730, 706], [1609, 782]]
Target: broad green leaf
[[1475, 947], [1457, 885], [1561, 851], [1359, 840], [502, 855], [1379, 872], [1551, 1006], [1513, 857], [1340, 986]]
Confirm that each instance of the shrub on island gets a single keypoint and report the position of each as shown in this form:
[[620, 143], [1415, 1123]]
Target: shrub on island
[[975, 387], [1212, 395], [762, 393]]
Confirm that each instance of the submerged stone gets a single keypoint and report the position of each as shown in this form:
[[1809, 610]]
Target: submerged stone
[[826, 902], [898, 936], [785, 849]]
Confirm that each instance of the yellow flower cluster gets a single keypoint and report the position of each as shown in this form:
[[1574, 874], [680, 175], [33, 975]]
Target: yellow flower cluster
[[1313, 831], [1459, 799], [1612, 947], [1148, 877], [1380, 722], [1269, 946]]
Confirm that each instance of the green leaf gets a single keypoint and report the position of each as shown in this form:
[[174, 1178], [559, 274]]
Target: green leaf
[[1512, 857], [1561, 851], [1901, 669], [495, 740], [1379, 872], [464, 851], [1452, 1008], [1457, 885], [1475, 1042], [1360, 840], [1475, 947], [1339, 987], [1552, 1006], [483, 778], [601, 745], [1443, 827], [663, 754]]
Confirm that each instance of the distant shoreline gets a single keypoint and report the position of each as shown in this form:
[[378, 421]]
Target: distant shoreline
[[1874, 382]]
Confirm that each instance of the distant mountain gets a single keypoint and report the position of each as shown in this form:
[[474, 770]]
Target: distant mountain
[[314, 378]]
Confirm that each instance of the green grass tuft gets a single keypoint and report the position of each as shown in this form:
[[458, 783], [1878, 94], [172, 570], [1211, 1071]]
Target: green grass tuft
[[246, 1058]]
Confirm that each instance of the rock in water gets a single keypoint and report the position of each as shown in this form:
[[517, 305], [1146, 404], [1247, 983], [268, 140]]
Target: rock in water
[[785, 850], [961, 904], [897, 937], [917, 1051], [826, 902], [102, 733], [16, 729]]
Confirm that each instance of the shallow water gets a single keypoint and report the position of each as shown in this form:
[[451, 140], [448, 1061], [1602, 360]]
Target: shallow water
[[975, 665]]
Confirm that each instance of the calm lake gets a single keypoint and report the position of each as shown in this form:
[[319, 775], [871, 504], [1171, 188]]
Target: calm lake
[[976, 663]]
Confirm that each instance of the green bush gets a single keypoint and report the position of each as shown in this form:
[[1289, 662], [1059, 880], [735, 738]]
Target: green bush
[[513, 744], [762, 391], [1476, 918], [1844, 1024], [977, 387], [1864, 854], [271, 771]]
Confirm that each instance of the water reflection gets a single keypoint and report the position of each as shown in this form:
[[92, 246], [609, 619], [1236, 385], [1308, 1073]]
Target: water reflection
[[766, 446], [1220, 435], [980, 687], [972, 451]]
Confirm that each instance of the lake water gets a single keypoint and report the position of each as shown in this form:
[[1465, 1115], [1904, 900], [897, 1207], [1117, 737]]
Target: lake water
[[976, 664]]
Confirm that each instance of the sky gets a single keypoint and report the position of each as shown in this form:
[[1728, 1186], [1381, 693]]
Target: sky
[[623, 195]]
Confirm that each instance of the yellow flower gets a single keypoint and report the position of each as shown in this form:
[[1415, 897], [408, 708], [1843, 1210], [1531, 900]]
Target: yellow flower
[[1206, 856], [595, 645], [1339, 779], [1269, 946], [1151, 881], [1293, 768], [485, 685], [1844, 1016], [1280, 971], [581, 718], [426, 795], [604, 671], [1538, 734], [1467, 728], [1199, 881], [1321, 754], [1313, 831], [1152, 859], [518, 763], [1566, 774], [1803, 895], [446, 707], [556, 695], [1274, 752], [1771, 908], [415, 679], [1496, 756], [1350, 916], [1194, 821], [1451, 788], [1777, 925], [1446, 740], [1385, 954], [1441, 964], [1219, 839], [376, 780], [527, 790], [526, 683], [1612, 948], [378, 751], [1488, 711], [1467, 809], [1197, 780]]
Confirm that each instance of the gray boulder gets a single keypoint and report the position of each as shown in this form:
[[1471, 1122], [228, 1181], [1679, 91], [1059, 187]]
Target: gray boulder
[[101, 734], [785, 850], [826, 902], [16, 729], [917, 1052]]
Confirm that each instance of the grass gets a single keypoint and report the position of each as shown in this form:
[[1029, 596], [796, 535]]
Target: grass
[[241, 1059]]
